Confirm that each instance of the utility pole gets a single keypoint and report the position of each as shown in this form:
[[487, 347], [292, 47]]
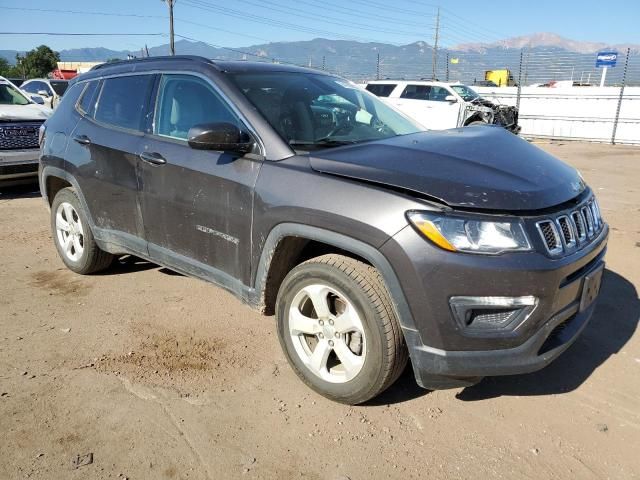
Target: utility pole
[[172, 46], [435, 46], [378, 67]]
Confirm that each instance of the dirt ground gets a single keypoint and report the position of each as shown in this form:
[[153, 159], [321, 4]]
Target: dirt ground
[[160, 376]]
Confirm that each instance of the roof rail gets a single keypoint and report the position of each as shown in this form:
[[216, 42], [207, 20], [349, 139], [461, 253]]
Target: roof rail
[[194, 58]]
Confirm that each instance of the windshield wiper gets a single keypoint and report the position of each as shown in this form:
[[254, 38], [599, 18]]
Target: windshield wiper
[[322, 142]]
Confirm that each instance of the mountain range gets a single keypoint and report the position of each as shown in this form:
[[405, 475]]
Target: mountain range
[[547, 57]]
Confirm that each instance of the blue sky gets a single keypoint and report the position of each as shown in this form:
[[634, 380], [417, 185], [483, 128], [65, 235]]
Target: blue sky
[[241, 22]]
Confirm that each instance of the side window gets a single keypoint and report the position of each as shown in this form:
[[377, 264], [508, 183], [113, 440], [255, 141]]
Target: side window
[[31, 87], [381, 89], [416, 92], [88, 99], [438, 94], [122, 101], [185, 101]]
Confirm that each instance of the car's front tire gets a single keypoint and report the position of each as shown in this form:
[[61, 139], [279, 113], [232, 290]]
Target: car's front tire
[[337, 327], [73, 237]]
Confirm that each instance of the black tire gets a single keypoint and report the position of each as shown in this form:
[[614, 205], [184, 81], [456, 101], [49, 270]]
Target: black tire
[[386, 353], [476, 122], [92, 259]]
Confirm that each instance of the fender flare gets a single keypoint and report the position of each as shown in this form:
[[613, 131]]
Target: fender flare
[[50, 171], [357, 247]]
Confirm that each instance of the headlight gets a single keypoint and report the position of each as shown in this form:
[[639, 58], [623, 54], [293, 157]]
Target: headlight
[[466, 234]]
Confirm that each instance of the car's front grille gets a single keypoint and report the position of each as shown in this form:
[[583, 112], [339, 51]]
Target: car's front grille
[[19, 135], [570, 230]]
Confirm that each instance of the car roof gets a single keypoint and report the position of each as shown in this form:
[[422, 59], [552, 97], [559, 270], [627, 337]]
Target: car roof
[[412, 82], [185, 61]]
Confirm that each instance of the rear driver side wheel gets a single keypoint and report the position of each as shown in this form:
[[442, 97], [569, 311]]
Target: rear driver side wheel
[[338, 329], [73, 237]]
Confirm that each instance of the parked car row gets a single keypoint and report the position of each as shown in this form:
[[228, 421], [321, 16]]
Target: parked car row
[[468, 252], [439, 106], [20, 120]]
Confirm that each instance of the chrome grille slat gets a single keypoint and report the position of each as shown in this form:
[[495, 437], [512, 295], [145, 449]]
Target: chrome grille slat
[[578, 222], [550, 236], [588, 219], [569, 230]]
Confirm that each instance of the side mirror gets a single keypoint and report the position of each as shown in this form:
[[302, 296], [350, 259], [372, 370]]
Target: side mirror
[[38, 99], [43, 93], [450, 98], [219, 136]]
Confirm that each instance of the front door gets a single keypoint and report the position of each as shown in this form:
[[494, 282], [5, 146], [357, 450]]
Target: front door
[[196, 204]]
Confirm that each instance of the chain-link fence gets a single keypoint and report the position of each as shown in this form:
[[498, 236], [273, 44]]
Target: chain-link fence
[[558, 92]]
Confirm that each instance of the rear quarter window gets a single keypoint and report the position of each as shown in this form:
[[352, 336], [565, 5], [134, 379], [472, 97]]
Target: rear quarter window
[[88, 98], [122, 101], [381, 89]]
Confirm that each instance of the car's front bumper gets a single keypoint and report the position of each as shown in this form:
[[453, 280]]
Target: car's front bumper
[[443, 354], [18, 166]]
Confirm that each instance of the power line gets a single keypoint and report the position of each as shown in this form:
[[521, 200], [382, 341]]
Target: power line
[[83, 34], [271, 22], [80, 12], [133, 15], [386, 18], [325, 18]]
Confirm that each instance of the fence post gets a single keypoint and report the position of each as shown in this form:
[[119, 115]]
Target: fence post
[[624, 81], [447, 66], [519, 82]]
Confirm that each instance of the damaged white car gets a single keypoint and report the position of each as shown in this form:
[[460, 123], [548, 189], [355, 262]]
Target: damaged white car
[[439, 105], [20, 121]]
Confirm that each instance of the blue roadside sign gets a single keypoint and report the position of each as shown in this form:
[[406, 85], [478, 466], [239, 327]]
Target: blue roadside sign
[[606, 59]]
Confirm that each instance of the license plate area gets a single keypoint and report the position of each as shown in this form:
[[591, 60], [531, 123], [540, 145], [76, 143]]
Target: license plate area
[[591, 288]]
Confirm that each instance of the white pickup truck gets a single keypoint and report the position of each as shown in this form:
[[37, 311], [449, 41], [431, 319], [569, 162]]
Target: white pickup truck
[[439, 105], [20, 120]]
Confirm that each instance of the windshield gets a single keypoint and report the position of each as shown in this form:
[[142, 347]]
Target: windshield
[[465, 92], [9, 95], [319, 111], [59, 86]]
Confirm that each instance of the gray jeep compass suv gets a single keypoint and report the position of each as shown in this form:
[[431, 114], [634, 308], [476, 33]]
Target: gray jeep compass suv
[[468, 251]]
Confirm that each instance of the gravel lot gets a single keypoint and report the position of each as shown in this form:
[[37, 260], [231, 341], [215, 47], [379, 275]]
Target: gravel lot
[[160, 376]]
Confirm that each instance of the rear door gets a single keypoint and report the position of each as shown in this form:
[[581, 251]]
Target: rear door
[[443, 114], [104, 148], [413, 102], [196, 204]]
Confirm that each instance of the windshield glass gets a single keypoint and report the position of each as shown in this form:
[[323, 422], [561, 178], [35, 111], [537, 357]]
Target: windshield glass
[[465, 92], [59, 86], [320, 111], [10, 95]]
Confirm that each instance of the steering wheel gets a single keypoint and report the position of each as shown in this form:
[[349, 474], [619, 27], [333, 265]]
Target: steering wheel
[[378, 125], [344, 120]]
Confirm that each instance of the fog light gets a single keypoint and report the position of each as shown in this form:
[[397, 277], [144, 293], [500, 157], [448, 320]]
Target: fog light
[[491, 314]]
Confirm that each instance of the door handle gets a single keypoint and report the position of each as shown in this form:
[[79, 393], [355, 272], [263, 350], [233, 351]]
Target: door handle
[[82, 139], [153, 158]]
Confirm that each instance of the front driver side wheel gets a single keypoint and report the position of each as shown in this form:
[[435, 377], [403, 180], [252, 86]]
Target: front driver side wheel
[[338, 329]]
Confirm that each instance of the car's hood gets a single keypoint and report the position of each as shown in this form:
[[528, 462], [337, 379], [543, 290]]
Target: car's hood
[[474, 167], [23, 112]]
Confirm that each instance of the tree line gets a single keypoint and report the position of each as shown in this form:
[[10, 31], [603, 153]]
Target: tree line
[[36, 63]]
